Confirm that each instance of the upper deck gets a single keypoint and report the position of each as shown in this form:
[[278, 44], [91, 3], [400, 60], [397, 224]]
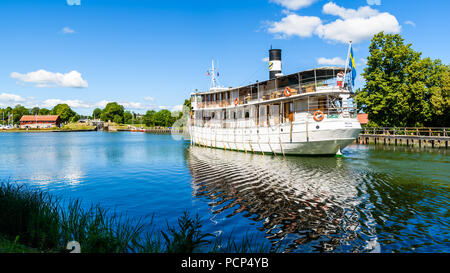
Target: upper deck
[[315, 81]]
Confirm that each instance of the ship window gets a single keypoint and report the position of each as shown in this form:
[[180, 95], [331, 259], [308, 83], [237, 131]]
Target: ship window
[[213, 115], [247, 115], [234, 114]]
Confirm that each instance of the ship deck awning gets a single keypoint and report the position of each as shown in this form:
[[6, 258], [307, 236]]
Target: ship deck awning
[[320, 73]]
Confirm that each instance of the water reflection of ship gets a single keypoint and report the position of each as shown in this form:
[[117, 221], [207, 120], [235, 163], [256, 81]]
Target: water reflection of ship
[[302, 204]]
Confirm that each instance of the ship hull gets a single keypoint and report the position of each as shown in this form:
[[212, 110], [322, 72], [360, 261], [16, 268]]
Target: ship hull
[[302, 138]]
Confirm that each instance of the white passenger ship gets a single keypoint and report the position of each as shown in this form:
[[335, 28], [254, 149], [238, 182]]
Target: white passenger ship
[[305, 113]]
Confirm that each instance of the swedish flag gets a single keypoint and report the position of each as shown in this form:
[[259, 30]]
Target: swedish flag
[[352, 65]]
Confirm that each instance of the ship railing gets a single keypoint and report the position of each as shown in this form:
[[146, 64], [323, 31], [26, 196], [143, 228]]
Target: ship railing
[[306, 85], [329, 109], [408, 131]]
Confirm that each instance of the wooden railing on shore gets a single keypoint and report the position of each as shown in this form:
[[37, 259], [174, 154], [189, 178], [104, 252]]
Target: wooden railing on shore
[[436, 137], [408, 131]]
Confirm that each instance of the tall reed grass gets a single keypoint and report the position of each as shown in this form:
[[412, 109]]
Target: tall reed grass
[[38, 220]]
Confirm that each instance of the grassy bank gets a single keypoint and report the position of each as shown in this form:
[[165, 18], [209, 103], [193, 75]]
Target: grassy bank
[[76, 127], [35, 221]]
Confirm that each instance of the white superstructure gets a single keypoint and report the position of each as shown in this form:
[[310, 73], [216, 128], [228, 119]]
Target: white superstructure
[[305, 113]]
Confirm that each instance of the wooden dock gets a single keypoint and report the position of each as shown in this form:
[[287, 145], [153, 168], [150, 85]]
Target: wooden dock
[[407, 136]]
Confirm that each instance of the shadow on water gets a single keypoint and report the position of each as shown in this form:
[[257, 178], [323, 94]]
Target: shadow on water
[[316, 204]]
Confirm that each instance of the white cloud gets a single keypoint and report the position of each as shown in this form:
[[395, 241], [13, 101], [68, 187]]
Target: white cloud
[[128, 104], [133, 105], [358, 29], [44, 78], [177, 108], [50, 103], [293, 24], [333, 61], [294, 4], [74, 2], [10, 98], [265, 60], [149, 99], [102, 104], [67, 30], [362, 12], [171, 108], [411, 23], [374, 2], [353, 25]]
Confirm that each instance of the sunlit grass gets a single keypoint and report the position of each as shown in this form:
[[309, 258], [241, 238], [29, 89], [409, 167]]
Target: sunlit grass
[[75, 126]]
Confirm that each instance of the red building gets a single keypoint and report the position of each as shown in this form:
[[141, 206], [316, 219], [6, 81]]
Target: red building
[[29, 121]]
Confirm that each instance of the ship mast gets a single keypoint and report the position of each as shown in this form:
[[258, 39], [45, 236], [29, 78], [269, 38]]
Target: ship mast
[[214, 81]]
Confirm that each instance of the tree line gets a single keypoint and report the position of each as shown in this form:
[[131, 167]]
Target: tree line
[[113, 112], [13, 115], [403, 89]]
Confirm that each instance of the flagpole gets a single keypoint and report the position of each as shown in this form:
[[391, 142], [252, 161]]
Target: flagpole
[[347, 62]]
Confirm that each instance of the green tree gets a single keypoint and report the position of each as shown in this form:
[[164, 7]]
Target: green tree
[[64, 112], [149, 118], [44, 111], [111, 110], [187, 103], [118, 119], [128, 117], [96, 113], [164, 118], [402, 89], [74, 118], [18, 112], [35, 111]]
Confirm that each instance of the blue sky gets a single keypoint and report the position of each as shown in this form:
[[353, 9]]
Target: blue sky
[[153, 54]]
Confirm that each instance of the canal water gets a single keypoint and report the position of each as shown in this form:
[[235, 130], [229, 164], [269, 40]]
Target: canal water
[[376, 199]]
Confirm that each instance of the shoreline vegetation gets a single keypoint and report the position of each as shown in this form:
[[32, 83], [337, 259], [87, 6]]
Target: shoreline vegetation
[[78, 127], [34, 221], [113, 113], [70, 127]]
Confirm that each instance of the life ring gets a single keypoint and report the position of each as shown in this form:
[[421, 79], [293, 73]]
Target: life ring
[[319, 116], [236, 102], [287, 91]]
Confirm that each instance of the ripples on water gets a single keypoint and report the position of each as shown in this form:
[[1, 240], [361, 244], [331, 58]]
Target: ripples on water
[[371, 201], [376, 199]]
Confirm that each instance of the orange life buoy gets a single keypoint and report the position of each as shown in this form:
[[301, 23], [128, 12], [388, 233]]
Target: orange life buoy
[[319, 116], [287, 91], [236, 102]]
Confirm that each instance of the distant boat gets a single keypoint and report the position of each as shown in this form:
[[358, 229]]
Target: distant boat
[[134, 129]]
